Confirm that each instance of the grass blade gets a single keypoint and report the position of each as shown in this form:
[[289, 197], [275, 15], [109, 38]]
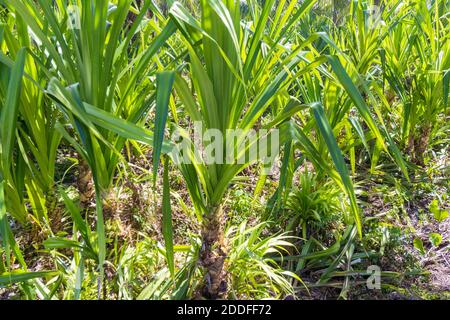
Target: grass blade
[[167, 227], [338, 160], [164, 83]]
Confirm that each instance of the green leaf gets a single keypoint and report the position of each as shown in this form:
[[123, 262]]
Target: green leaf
[[164, 83], [364, 111], [8, 241], [167, 227], [436, 239], [446, 84], [418, 244], [10, 110], [61, 243], [78, 221], [20, 276], [123, 128], [338, 160], [439, 214]]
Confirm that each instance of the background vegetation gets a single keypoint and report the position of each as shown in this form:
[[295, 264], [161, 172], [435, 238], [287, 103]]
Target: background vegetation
[[93, 207]]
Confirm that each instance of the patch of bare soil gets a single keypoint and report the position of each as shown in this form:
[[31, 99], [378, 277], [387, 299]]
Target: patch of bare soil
[[432, 276], [436, 260]]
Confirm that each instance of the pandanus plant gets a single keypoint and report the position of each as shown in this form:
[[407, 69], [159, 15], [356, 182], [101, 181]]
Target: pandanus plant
[[10, 88], [416, 65], [16, 172], [235, 77], [29, 138], [98, 75], [238, 72], [35, 139], [262, 75]]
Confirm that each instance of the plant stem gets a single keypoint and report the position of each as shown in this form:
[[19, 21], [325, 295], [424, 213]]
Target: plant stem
[[213, 254]]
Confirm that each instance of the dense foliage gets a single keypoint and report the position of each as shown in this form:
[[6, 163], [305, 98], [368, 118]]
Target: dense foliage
[[95, 205]]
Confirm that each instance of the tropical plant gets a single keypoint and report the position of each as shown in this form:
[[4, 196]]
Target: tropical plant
[[314, 202], [237, 74], [416, 63], [254, 274], [283, 137], [96, 68]]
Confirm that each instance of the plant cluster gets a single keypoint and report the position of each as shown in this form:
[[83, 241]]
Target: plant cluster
[[93, 203]]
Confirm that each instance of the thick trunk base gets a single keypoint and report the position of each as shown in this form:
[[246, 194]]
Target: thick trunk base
[[422, 144], [85, 183], [417, 146], [213, 255]]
